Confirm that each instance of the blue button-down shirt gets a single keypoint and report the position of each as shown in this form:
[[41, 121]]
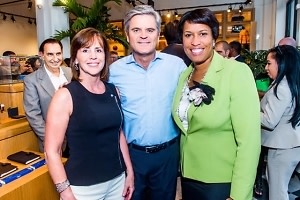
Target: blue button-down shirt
[[147, 96]]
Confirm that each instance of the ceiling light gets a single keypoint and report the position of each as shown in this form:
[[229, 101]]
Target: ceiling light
[[29, 5], [248, 2], [176, 13], [241, 8], [13, 19], [229, 8]]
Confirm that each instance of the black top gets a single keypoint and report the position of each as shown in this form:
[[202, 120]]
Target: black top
[[93, 136]]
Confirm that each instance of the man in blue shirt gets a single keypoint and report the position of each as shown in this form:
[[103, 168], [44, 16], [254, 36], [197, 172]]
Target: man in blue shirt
[[146, 80]]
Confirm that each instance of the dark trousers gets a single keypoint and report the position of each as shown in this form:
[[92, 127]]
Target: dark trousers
[[155, 174], [196, 190]]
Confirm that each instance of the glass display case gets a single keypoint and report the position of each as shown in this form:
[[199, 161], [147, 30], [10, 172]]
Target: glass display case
[[10, 69]]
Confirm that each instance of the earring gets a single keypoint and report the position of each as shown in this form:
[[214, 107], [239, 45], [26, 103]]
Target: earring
[[76, 66], [214, 44]]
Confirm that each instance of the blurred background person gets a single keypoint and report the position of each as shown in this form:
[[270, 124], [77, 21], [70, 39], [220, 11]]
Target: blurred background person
[[288, 41], [14, 69], [98, 151], [216, 106], [174, 45], [113, 56], [235, 51], [31, 64], [67, 62], [222, 48]]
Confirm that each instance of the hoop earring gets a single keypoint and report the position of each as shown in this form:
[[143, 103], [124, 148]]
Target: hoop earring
[[76, 66]]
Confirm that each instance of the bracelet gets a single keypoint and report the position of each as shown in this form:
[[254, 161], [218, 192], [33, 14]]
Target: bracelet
[[60, 187]]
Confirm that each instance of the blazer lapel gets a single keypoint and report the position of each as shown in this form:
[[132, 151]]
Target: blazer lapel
[[209, 79], [46, 82], [181, 83]]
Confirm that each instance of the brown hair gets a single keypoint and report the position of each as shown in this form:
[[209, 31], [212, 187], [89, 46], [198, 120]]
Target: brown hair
[[83, 39]]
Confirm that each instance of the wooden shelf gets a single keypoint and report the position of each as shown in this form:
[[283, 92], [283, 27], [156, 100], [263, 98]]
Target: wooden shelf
[[237, 21]]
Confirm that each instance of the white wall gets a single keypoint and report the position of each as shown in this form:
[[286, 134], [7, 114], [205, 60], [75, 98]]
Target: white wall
[[20, 37]]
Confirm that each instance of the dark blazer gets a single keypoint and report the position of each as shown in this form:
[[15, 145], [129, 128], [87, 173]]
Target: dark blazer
[[177, 50], [240, 59], [38, 92]]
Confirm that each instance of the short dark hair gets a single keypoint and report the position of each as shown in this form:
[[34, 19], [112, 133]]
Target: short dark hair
[[237, 46], [8, 53], [171, 32], [51, 41], [200, 16]]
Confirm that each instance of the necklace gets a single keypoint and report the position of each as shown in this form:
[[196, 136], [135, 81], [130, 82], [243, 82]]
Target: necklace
[[190, 77]]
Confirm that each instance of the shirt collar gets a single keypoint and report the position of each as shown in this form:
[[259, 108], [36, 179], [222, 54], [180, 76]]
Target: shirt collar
[[130, 58], [50, 74]]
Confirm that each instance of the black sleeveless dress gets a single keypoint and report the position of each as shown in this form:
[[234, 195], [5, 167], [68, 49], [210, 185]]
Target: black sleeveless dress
[[93, 136]]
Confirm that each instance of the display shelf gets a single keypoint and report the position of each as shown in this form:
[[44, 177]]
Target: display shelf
[[237, 26]]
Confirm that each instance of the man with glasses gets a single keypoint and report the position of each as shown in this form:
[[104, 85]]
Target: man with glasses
[[40, 86]]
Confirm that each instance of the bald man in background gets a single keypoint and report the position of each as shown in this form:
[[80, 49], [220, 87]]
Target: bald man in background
[[287, 41], [222, 48]]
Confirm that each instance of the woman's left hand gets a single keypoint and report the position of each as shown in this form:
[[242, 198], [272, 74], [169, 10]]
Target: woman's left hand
[[229, 198], [129, 186]]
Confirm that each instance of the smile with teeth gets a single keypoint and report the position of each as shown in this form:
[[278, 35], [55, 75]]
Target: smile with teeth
[[197, 51]]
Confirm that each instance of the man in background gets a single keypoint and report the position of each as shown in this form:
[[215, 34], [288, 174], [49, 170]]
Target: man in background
[[235, 51], [40, 86], [174, 45], [113, 56], [222, 48], [287, 41]]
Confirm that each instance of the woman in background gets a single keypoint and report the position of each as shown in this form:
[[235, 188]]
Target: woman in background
[[35, 62], [87, 111], [216, 106], [280, 119]]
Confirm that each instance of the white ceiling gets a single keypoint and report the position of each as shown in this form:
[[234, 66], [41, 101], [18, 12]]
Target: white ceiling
[[19, 7]]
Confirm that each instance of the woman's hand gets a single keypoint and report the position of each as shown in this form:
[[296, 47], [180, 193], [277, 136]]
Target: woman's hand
[[229, 198], [67, 195], [129, 186]]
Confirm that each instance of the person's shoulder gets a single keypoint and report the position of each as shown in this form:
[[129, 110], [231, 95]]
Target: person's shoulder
[[120, 61], [32, 76], [171, 59]]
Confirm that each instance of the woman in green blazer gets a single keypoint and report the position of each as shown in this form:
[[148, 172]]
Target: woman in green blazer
[[216, 106]]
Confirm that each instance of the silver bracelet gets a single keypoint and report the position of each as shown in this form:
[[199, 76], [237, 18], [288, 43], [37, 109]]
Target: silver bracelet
[[60, 187]]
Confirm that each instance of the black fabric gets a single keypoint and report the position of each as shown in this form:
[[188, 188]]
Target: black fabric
[[192, 189], [155, 174], [177, 50], [93, 136]]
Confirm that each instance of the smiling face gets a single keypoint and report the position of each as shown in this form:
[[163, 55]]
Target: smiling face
[[52, 56], [271, 66], [91, 58], [143, 35], [198, 42]]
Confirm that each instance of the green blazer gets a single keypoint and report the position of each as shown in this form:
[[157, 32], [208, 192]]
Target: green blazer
[[222, 143]]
